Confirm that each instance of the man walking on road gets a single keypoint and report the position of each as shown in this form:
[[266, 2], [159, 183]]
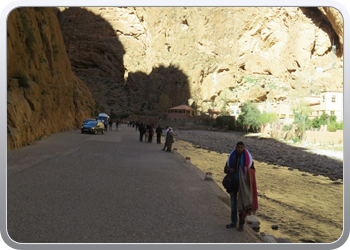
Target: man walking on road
[[165, 136], [159, 132], [142, 131]]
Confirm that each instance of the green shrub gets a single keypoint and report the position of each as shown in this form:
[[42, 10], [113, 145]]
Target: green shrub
[[287, 127], [23, 81], [28, 31], [296, 139], [225, 121], [332, 127]]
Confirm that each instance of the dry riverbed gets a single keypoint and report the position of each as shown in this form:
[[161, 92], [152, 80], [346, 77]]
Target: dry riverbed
[[307, 206]]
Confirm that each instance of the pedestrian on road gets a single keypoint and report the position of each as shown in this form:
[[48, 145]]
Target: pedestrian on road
[[116, 125], [146, 133], [150, 133], [105, 122], [165, 136], [110, 124], [244, 199], [169, 140], [142, 131], [159, 132]]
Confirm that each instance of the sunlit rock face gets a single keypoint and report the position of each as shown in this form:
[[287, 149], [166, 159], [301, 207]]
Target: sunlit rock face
[[144, 59], [44, 96], [67, 64]]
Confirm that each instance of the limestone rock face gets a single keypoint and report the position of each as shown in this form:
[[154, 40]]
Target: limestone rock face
[[143, 60], [43, 94], [130, 57], [336, 19]]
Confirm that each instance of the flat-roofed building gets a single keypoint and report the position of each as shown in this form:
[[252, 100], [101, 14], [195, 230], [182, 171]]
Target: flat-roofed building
[[181, 113]]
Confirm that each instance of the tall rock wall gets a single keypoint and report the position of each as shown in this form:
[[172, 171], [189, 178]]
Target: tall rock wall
[[144, 60], [138, 60], [43, 94]]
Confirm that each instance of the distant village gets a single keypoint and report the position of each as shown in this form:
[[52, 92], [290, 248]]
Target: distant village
[[329, 102]]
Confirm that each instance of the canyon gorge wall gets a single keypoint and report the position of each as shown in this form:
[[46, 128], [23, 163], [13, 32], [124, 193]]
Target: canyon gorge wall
[[143, 60], [67, 64], [43, 94]]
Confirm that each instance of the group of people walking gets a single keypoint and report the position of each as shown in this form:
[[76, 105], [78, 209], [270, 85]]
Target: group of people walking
[[239, 168], [110, 123], [147, 133]]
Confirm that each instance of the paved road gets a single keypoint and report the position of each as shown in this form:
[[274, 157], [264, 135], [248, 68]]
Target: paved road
[[112, 188]]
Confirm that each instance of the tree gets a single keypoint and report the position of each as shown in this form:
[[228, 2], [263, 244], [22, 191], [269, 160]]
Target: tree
[[266, 118], [324, 119], [164, 103], [301, 110], [223, 97], [316, 122], [249, 117]]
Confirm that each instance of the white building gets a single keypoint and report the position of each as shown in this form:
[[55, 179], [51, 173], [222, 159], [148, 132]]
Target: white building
[[331, 103]]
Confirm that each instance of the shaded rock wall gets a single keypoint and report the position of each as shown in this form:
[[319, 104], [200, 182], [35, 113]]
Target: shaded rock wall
[[127, 56], [144, 60], [43, 94]]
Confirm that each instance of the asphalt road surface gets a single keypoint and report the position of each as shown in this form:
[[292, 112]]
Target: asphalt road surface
[[112, 188]]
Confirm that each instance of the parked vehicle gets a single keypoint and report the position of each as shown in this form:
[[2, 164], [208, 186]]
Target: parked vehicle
[[93, 127], [102, 117], [88, 120]]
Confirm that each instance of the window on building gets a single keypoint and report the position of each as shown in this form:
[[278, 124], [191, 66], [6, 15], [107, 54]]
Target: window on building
[[291, 116], [332, 112], [333, 98], [323, 98], [283, 116]]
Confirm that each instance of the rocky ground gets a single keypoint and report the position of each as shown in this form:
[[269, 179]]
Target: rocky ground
[[271, 151], [300, 189]]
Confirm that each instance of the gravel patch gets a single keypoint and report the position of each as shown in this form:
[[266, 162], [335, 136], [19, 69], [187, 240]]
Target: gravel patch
[[323, 162]]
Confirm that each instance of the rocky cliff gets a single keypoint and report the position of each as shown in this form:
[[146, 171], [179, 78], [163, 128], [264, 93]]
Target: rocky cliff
[[144, 60], [147, 59], [43, 94]]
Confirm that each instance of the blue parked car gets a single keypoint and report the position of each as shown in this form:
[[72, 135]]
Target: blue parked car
[[93, 127], [87, 120]]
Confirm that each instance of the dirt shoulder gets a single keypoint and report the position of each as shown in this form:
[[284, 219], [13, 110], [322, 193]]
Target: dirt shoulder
[[307, 206], [269, 151]]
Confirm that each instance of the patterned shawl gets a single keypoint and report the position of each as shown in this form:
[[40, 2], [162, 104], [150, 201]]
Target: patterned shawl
[[246, 160], [247, 195]]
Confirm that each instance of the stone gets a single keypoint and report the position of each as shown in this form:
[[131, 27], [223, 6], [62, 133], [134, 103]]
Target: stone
[[283, 240], [269, 239], [255, 226], [251, 219]]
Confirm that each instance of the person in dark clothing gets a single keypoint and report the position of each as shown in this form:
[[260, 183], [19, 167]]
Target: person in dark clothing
[[110, 124], [142, 131], [150, 133], [159, 132], [238, 164], [166, 133], [105, 122]]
